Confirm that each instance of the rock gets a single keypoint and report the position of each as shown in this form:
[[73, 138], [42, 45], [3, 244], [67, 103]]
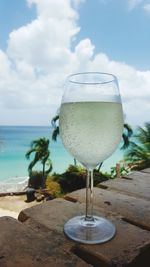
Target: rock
[[130, 245], [40, 197], [20, 246]]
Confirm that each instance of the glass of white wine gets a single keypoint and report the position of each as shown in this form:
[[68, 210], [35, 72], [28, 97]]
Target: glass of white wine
[[91, 126]]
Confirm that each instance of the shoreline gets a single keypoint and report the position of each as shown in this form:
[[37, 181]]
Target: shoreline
[[14, 184]]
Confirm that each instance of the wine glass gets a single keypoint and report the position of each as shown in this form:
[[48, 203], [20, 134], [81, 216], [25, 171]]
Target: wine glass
[[91, 126]]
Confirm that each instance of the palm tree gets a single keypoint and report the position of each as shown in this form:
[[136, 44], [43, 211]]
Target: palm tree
[[138, 153], [40, 148], [55, 132], [125, 136]]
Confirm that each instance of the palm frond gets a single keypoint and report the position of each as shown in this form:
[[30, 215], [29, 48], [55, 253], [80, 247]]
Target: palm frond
[[126, 141], [137, 152], [126, 136], [53, 121], [29, 152], [129, 129], [55, 133], [143, 134]]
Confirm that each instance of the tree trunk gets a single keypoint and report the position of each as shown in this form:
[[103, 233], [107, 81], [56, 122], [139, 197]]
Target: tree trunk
[[99, 166], [43, 182], [75, 162]]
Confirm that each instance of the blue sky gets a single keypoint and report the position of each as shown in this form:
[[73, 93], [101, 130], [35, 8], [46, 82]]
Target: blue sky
[[13, 14], [43, 41], [121, 33]]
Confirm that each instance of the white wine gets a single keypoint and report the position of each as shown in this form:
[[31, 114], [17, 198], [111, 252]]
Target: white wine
[[91, 131]]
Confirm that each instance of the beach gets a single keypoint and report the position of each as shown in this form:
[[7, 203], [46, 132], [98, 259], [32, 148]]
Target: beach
[[12, 205]]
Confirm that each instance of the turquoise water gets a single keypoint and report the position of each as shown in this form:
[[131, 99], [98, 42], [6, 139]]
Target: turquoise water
[[15, 141]]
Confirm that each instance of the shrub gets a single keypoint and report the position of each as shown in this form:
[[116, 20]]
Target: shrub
[[74, 178], [124, 170], [100, 177], [35, 180], [53, 187]]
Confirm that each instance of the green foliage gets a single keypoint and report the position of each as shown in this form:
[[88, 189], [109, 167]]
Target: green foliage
[[35, 180], [127, 133], [100, 177], [55, 132], [74, 168], [124, 170], [53, 187], [138, 153], [74, 178], [71, 180]]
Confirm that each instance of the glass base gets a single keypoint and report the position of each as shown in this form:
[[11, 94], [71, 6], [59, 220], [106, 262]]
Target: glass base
[[96, 231]]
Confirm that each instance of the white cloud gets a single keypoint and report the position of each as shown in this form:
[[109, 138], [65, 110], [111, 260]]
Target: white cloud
[[147, 8], [134, 87], [134, 3], [46, 41], [40, 56]]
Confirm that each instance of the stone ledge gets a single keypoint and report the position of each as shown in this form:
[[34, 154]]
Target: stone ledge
[[20, 246], [130, 242], [135, 210], [51, 214], [136, 184]]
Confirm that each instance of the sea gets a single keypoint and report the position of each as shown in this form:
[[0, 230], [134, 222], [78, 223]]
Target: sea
[[15, 142]]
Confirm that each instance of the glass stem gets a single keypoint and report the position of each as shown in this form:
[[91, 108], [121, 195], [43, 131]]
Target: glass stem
[[89, 196]]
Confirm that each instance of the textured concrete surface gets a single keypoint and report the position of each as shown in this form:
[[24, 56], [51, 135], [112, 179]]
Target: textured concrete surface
[[135, 184], [37, 239], [20, 246], [147, 170], [51, 214], [135, 210], [129, 243], [130, 247]]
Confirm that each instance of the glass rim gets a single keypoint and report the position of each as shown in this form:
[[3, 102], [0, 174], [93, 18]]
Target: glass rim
[[113, 77]]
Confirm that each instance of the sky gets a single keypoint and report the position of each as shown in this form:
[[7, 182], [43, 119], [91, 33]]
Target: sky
[[43, 41]]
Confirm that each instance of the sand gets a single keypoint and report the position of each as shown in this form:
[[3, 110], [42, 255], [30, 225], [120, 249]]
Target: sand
[[12, 205]]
